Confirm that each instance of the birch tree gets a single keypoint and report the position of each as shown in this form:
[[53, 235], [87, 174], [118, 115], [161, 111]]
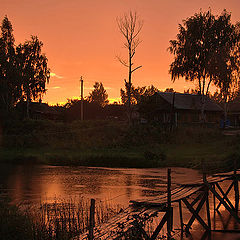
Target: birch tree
[[198, 51]]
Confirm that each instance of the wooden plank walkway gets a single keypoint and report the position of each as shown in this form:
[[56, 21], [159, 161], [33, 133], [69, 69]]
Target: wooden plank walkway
[[150, 207]]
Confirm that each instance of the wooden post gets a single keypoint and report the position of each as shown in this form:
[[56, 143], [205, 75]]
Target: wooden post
[[180, 214], [214, 209], [214, 200], [169, 209], [208, 209], [81, 93], [203, 171], [236, 187], [92, 220], [235, 167], [207, 194], [159, 227], [231, 211], [225, 195], [195, 212]]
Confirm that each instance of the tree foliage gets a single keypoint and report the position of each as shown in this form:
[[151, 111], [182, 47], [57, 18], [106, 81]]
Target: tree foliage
[[169, 90], [138, 95], [9, 85], [33, 70], [206, 52], [23, 68], [228, 64], [98, 95], [202, 41]]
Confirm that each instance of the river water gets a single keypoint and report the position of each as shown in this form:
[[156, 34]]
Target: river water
[[30, 184]]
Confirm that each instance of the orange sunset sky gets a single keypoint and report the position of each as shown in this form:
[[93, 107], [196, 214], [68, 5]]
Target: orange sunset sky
[[81, 37]]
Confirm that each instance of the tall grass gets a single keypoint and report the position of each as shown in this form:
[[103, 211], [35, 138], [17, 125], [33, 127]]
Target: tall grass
[[51, 221]]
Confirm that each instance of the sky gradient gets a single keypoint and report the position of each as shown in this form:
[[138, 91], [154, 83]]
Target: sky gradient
[[81, 38]]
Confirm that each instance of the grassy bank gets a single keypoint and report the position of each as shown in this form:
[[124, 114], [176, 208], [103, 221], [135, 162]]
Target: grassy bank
[[53, 221], [114, 144]]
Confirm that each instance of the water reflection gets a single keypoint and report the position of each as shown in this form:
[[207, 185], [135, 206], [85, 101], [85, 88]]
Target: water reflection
[[34, 183]]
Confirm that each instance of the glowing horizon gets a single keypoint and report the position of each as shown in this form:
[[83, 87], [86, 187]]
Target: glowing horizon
[[81, 38]]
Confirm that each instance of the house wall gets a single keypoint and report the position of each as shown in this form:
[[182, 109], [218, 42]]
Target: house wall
[[186, 116], [161, 111], [234, 119], [189, 116]]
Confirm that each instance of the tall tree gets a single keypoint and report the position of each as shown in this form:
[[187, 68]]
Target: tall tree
[[9, 87], [23, 69], [33, 69], [200, 41], [227, 64], [98, 95], [130, 26]]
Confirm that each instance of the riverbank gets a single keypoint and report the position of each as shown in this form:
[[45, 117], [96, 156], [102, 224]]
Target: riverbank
[[50, 221], [114, 144]]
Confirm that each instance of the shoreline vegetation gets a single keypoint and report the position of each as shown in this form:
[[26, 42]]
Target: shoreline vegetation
[[60, 220], [114, 144], [100, 144]]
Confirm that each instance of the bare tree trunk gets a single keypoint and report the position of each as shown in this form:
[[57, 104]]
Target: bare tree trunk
[[27, 107], [225, 112], [129, 88], [202, 116], [203, 102], [130, 26]]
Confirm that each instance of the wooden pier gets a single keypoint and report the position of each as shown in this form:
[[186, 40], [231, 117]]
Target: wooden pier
[[194, 196]]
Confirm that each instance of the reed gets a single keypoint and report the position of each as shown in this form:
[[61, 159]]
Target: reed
[[59, 220]]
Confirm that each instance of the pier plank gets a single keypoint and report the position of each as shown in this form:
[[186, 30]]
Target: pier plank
[[146, 208]]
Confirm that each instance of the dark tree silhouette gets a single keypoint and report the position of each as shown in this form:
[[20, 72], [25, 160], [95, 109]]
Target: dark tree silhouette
[[92, 110], [138, 94], [200, 41], [130, 25], [33, 69], [98, 95], [169, 90], [227, 64], [10, 89], [23, 69]]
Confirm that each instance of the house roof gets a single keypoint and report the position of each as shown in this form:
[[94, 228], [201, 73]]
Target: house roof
[[187, 101], [37, 107], [42, 108]]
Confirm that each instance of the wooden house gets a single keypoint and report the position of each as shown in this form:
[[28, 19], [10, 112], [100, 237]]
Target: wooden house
[[40, 111], [178, 108], [233, 113]]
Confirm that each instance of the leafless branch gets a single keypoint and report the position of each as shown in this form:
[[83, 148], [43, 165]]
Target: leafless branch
[[136, 68], [130, 26], [122, 61]]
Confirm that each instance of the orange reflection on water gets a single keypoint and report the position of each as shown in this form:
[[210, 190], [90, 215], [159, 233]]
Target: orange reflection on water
[[30, 184]]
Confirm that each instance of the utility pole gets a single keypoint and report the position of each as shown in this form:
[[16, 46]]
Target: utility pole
[[81, 93]]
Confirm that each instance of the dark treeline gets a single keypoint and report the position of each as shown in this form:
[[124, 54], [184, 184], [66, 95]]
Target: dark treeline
[[96, 105], [93, 111]]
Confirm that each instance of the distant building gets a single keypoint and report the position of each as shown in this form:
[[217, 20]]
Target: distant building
[[167, 107], [39, 110], [233, 114]]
